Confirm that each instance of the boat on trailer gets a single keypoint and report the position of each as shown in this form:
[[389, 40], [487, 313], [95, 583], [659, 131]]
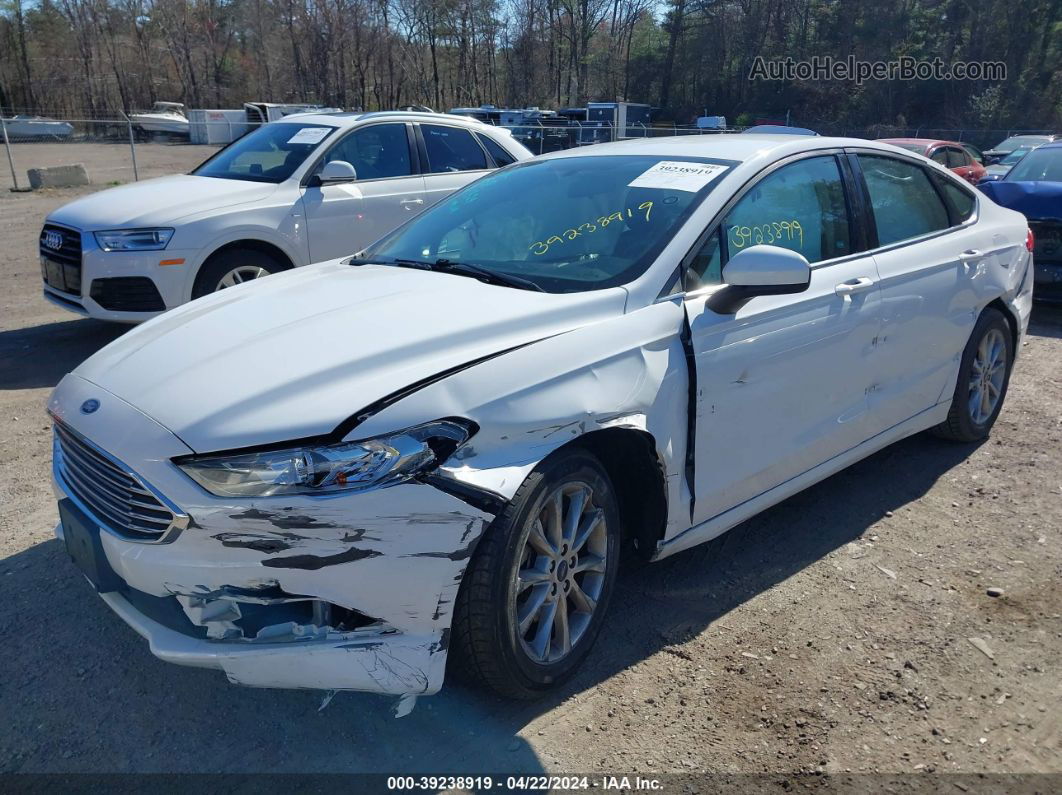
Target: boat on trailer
[[164, 117]]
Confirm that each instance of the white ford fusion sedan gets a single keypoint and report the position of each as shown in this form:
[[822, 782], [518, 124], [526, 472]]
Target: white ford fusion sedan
[[310, 188], [342, 476]]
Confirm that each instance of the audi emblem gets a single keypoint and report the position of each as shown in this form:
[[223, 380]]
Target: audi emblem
[[52, 240]]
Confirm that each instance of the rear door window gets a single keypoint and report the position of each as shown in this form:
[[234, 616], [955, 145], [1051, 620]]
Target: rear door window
[[957, 158], [452, 149], [904, 202]]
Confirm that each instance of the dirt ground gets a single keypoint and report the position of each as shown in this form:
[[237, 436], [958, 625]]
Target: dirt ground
[[831, 633], [105, 163]]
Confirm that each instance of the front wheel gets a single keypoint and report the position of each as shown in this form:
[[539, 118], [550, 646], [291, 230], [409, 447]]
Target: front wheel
[[537, 587], [233, 267], [984, 374]]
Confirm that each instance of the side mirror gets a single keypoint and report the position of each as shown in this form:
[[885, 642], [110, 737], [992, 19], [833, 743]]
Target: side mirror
[[760, 270], [337, 171]]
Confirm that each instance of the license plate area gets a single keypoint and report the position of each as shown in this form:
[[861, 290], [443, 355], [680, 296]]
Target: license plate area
[[61, 275], [1048, 242], [53, 273], [82, 538]]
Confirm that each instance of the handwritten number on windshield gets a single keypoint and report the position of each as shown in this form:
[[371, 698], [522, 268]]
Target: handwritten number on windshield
[[542, 246]]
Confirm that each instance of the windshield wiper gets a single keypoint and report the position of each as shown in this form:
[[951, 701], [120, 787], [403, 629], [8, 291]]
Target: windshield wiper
[[493, 277], [467, 269]]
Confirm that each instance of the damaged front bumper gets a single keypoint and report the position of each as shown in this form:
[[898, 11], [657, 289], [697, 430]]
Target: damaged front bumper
[[351, 592], [374, 662]]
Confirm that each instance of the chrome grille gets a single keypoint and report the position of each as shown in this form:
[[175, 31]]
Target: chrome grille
[[114, 494]]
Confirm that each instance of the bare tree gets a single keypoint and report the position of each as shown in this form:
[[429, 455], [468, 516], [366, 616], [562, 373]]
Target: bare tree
[[77, 57]]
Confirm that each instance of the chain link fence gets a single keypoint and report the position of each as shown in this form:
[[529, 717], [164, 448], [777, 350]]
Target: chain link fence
[[116, 151], [112, 151]]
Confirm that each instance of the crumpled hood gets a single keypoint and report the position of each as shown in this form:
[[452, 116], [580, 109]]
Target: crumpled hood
[[157, 202], [295, 354], [1034, 200]]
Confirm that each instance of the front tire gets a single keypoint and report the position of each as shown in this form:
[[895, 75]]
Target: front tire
[[984, 375], [235, 266], [537, 588]]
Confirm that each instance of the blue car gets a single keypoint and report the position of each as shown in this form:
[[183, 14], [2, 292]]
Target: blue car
[[1033, 187]]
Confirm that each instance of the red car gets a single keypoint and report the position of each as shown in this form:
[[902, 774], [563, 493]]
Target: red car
[[949, 154]]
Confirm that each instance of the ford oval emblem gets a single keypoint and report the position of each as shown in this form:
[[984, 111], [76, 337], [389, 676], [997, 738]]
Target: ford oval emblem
[[90, 406]]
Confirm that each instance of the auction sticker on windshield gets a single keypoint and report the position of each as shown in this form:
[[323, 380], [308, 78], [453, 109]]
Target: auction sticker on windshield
[[677, 175], [309, 135]]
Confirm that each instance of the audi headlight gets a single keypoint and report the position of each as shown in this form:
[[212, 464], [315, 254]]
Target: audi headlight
[[133, 239], [326, 469]]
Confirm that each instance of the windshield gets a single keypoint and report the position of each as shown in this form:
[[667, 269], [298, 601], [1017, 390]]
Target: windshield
[[1039, 165], [269, 154], [567, 225], [1014, 156]]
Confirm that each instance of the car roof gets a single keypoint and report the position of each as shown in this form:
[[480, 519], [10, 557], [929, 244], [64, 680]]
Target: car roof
[[927, 142], [778, 129], [1030, 137], [724, 146], [344, 119]]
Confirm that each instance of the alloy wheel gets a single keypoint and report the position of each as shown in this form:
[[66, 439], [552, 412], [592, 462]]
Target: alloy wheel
[[243, 273], [987, 374], [562, 572]]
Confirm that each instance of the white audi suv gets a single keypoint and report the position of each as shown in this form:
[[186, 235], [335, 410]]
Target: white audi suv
[[306, 189]]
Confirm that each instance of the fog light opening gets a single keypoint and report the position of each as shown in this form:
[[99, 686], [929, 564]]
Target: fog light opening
[[270, 615]]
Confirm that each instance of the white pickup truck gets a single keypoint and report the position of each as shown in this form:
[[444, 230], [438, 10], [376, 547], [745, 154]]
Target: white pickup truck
[[310, 188]]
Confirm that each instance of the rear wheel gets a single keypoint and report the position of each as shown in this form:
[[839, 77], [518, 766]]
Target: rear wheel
[[233, 267], [538, 585], [984, 374]]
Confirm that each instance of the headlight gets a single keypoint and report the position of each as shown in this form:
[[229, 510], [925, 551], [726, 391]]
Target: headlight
[[133, 239], [326, 469]]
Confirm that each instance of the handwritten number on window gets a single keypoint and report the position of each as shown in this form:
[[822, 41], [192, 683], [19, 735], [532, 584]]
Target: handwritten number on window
[[540, 247], [770, 233]]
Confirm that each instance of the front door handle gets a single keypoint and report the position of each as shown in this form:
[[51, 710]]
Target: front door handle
[[404, 202], [853, 286]]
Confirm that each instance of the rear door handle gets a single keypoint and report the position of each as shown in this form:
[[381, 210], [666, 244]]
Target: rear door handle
[[404, 202], [852, 286], [971, 254]]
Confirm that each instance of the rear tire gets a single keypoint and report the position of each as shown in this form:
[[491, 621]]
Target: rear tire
[[526, 616], [235, 266], [984, 375]]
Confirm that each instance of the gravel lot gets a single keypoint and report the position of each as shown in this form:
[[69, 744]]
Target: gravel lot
[[831, 633]]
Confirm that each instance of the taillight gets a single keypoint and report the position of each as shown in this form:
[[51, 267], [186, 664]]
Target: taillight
[[1029, 240]]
